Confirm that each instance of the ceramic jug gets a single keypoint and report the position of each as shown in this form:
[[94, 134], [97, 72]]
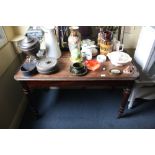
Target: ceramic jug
[[52, 47]]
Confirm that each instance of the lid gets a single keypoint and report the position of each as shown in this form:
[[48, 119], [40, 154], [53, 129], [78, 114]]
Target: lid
[[28, 42], [46, 64]]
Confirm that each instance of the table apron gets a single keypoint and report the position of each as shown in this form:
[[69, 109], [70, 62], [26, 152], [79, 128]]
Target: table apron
[[79, 84]]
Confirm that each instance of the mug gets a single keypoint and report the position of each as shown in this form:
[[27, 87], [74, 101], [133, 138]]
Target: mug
[[119, 46], [88, 54], [101, 58]]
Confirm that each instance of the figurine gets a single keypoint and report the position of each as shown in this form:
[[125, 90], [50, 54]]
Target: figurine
[[74, 41]]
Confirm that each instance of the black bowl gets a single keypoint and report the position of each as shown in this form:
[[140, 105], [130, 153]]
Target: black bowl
[[78, 68]]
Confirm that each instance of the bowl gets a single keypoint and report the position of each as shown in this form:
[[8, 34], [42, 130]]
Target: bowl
[[78, 68], [101, 58], [92, 64], [46, 65], [118, 58], [28, 68]]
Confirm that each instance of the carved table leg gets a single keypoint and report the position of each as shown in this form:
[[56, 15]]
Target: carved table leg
[[28, 94], [126, 93]]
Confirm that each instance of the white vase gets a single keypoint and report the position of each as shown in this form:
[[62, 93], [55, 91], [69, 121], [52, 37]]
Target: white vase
[[74, 41], [52, 47]]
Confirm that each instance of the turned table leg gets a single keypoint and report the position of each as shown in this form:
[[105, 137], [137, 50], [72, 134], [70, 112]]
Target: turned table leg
[[28, 94], [126, 93]]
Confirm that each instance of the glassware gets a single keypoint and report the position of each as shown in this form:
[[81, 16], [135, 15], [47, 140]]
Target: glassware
[[106, 43]]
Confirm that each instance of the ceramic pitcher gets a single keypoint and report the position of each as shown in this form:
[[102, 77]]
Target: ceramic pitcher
[[52, 47]]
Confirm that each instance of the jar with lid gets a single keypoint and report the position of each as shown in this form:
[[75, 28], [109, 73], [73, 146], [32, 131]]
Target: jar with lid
[[106, 43], [74, 42]]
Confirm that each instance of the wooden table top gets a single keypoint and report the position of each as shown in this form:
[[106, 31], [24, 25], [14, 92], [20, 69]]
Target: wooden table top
[[64, 74]]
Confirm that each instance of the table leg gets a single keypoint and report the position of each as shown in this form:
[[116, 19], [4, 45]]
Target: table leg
[[126, 93], [28, 94]]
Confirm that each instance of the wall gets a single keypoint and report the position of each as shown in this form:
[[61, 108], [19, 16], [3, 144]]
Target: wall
[[20, 30], [9, 32], [7, 55], [131, 34], [12, 100], [14, 31], [15, 34]]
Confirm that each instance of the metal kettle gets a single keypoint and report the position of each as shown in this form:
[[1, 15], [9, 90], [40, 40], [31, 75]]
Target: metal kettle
[[29, 46]]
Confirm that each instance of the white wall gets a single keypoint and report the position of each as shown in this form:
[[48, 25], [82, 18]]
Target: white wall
[[131, 35]]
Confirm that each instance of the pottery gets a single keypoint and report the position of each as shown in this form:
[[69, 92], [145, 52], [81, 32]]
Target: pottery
[[117, 46], [88, 45], [28, 68], [52, 47], [78, 69], [76, 55], [101, 58], [74, 41], [118, 58], [46, 65], [92, 64]]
